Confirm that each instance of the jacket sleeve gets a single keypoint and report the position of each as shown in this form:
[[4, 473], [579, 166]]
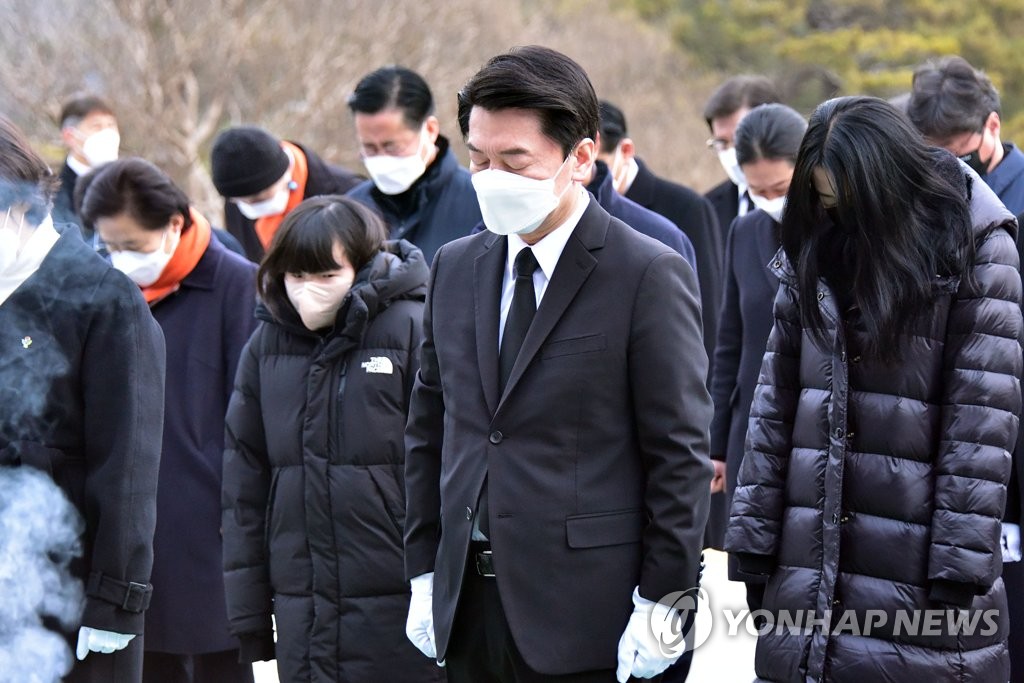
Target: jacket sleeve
[[123, 368], [244, 497], [671, 410], [423, 438], [758, 503], [980, 414], [238, 322], [727, 355]]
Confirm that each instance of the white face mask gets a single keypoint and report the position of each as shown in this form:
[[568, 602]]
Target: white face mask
[[727, 157], [10, 242], [268, 207], [144, 268], [772, 207], [316, 302], [512, 203], [102, 147], [394, 175]]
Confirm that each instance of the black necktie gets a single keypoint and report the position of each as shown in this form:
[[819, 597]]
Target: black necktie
[[520, 315]]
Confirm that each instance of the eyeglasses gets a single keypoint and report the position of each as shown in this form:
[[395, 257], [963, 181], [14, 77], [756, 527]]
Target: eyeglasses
[[718, 144]]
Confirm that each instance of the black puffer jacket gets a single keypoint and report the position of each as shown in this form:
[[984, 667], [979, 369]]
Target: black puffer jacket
[[313, 498], [867, 487]]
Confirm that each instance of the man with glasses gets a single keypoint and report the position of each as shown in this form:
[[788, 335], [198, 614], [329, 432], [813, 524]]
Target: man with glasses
[[723, 111]]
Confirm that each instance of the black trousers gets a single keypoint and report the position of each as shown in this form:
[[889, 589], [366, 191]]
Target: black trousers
[[482, 650], [1013, 579], [211, 667]]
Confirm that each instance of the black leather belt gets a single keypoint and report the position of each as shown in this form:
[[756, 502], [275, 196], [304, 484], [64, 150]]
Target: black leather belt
[[481, 558]]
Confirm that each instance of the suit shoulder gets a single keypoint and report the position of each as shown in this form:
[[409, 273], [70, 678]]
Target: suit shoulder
[[459, 248], [633, 247], [721, 191]]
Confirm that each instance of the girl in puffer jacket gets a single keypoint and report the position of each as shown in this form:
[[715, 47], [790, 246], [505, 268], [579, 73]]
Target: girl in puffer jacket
[[314, 492], [878, 450]]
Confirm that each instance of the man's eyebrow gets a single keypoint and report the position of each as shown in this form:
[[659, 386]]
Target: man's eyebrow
[[513, 151]]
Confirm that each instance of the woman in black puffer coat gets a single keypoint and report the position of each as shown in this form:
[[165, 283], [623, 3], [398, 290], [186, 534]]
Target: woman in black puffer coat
[[313, 492], [874, 478]]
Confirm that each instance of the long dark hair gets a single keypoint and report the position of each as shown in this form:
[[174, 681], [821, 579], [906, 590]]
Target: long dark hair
[[901, 219]]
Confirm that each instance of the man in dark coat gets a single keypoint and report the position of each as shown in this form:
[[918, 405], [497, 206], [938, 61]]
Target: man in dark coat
[[81, 398], [262, 178], [556, 466], [416, 183], [957, 107], [723, 111], [89, 131], [694, 215]]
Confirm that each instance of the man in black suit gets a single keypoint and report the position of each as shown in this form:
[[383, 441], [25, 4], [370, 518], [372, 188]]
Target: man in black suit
[[723, 111], [556, 452], [694, 215]]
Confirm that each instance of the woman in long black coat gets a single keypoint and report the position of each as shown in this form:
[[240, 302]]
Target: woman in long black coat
[[81, 398], [767, 141], [314, 494], [203, 297], [874, 478]]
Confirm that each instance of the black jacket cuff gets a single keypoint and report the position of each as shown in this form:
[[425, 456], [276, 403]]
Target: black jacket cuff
[[255, 647], [952, 593], [755, 564]]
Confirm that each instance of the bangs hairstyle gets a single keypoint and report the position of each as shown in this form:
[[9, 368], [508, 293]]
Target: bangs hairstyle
[[135, 187], [903, 220], [305, 244]]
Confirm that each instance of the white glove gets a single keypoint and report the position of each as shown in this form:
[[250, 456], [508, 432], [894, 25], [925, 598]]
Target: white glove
[[95, 640], [640, 653], [1010, 542], [419, 626]]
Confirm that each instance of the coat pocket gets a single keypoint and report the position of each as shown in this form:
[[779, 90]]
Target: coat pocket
[[574, 345], [604, 528], [390, 492]]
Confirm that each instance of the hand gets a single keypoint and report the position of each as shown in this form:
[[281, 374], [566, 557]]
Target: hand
[[718, 481], [640, 654], [419, 626], [95, 640], [1010, 542]]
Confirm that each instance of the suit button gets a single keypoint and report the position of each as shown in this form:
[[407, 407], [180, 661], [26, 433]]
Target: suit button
[[839, 432], [821, 295], [496, 437], [469, 513]]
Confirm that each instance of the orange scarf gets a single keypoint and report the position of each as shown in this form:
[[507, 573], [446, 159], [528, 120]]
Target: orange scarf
[[266, 227], [191, 248]]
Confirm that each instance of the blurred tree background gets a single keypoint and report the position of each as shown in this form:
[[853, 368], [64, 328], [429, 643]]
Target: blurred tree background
[[178, 71]]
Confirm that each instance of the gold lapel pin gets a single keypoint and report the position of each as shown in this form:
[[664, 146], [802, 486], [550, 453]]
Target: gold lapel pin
[[26, 342]]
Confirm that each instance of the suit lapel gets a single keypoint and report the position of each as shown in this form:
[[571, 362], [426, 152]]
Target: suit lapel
[[488, 270], [767, 246], [571, 271], [642, 189]]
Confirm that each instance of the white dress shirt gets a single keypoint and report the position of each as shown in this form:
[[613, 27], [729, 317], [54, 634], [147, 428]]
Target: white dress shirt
[[30, 257]]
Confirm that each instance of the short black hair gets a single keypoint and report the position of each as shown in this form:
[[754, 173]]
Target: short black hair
[[770, 131], [305, 244], [393, 87], [24, 177], [613, 126], [80, 106], [138, 188], [738, 92], [540, 79], [950, 97]]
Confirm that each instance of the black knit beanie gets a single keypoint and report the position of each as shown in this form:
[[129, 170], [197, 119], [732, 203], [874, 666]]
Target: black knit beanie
[[246, 160]]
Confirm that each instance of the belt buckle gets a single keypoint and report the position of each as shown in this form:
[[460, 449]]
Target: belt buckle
[[485, 563]]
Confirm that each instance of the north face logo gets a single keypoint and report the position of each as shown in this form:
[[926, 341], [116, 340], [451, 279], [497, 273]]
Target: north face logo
[[380, 365]]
